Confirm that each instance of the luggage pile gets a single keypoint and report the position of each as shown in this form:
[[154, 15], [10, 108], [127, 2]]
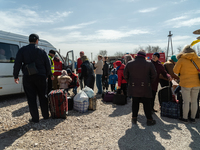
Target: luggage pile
[[60, 103]]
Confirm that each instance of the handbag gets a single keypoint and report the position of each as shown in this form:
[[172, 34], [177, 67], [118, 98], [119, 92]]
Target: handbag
[[196, 67], [32, 68]]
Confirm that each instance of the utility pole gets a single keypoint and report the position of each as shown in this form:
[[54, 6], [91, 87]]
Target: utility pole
[[169, 41]]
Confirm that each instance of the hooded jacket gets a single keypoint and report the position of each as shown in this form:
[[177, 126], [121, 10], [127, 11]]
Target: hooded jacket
[[113, 77], [188, 72], [74, 77], [120, 74]]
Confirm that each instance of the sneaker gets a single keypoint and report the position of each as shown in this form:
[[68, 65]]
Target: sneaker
[[134, 120], [151, 122], [192, 120], [183, 120]]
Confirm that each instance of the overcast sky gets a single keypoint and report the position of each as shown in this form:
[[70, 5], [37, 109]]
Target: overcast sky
[[112, 25]]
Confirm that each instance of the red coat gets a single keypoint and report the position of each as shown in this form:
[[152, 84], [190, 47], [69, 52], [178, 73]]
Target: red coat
[[74, 80], [57, 68], [79, 62], [120, 74]]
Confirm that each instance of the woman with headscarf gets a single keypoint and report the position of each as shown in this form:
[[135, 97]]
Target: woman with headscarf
[[189, 81], [87, 72], [128, 58]]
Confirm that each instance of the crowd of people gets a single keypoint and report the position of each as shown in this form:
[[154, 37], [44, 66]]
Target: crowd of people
[[138, 78]]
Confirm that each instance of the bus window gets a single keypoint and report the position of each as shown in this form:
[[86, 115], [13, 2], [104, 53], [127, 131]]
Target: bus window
[[8, 52]]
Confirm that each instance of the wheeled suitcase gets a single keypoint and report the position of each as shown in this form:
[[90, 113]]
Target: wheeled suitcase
[[108, 96], [92, 103], [58, 103], [70, 103]]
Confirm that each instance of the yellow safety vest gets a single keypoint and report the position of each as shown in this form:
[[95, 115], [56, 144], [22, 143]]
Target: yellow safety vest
[[52, 66]]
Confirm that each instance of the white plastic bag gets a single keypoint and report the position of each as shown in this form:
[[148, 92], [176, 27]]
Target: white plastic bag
[[81, 96], [81, 102], [88, 91]]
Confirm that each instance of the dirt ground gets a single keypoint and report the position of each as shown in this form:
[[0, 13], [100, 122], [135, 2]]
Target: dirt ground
[[109, 127]]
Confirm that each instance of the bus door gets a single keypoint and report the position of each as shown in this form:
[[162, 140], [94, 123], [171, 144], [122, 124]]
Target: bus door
[[69, 62]]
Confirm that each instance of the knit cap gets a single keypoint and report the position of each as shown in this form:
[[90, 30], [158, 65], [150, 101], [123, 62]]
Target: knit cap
[[174, 58]]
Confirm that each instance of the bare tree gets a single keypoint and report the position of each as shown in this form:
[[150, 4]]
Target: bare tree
[[152, 49], [103, 52], [120, 54]]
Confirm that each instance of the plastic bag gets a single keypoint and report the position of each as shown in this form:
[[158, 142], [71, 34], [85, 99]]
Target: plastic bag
[[81, 96], [81, 102], [88, 91]]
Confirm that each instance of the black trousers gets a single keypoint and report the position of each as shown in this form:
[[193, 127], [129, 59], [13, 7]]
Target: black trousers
[[123, 88], [49, 85], [112, 86], [105, 82], [146, 105], [153, 99], [36, 85]]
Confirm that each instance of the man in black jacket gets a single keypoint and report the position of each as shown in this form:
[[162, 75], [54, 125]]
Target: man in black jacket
[[33, 84], [105, 73]]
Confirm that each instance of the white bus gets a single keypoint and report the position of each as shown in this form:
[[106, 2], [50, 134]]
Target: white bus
[[9, 46]]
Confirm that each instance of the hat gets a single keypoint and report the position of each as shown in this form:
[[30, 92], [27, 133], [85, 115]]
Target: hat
[[64, 72], [141, 53], [118, 63], [174, 58], [33, 38], [82, 52], [157, 54], [69, 70]]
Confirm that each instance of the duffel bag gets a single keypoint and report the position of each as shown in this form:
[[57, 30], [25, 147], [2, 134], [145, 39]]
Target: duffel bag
[[108, 96], [170, 109]]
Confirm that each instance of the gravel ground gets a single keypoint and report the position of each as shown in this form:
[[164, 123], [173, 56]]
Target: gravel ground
[[109, 127]]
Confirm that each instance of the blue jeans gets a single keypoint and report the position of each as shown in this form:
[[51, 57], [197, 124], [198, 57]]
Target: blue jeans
[[98, 83]]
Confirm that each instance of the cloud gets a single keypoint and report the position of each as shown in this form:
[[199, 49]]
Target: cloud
[[78, 26], [148, 10], [180, 38], [176, 19], [24, 17], [114, 35], [188, 23], [180, 1]]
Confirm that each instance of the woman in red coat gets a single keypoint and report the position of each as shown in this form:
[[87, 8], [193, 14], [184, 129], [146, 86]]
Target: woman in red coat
[[122, 84]]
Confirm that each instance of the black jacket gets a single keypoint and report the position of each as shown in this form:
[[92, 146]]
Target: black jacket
[[87, 74], [28, 54], [105, 69], [86, 70]]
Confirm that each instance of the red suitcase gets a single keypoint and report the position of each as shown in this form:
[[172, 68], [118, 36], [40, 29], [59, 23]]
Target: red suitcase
[[58, 103]]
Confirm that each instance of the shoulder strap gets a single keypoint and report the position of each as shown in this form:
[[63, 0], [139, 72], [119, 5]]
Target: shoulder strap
[[195, 65]]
